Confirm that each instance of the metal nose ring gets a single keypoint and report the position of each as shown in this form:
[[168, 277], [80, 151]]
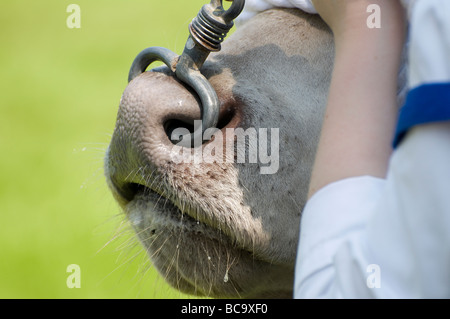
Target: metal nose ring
[[207, 31]]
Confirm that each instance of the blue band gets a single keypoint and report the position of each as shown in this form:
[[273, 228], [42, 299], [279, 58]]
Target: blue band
[[427, 103]]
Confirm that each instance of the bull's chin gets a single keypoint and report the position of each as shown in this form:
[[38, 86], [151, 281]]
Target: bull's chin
[[198, 259]]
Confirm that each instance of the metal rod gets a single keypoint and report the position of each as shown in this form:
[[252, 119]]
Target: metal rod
[[207, 31]]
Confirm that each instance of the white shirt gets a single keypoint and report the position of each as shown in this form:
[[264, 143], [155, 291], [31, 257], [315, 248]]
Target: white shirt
[[253, 7], [367, 237]]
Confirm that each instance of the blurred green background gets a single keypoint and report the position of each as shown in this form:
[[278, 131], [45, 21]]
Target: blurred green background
[[60, 89]]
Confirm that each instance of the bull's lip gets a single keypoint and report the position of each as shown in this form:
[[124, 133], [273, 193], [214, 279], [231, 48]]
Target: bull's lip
[[131, 191], [166, 200], [166, 219], [167, 216]]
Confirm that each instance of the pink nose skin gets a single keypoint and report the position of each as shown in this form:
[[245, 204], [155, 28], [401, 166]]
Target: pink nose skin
[[152, 106]]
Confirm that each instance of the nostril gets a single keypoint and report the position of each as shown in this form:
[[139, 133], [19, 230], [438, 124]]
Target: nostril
[[172, 124], [226, 116]]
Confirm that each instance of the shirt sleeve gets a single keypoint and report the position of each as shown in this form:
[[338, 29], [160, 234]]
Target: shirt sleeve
[[333, 221], [364, 237], [409, 235]]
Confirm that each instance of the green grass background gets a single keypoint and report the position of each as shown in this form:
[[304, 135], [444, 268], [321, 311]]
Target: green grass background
[[60, 90]]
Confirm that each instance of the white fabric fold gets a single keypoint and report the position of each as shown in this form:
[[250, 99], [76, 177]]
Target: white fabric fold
[[253, 7]]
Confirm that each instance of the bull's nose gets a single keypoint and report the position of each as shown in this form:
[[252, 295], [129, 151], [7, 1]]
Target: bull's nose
[[152, 106]]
